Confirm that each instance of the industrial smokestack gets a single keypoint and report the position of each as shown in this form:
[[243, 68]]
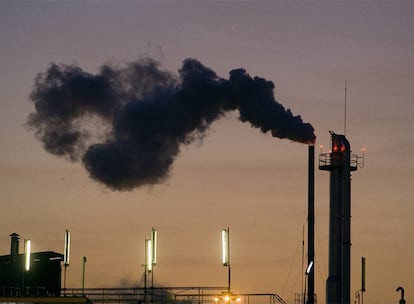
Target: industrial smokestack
[[340, 164], [14, 245], [311, 223], [127, 124]]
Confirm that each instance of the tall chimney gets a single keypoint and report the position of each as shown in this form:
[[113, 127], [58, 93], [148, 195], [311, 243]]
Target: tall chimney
[[340, 165], [14, 245], [311, 224]]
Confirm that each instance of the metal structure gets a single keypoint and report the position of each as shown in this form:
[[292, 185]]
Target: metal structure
[[66, 256], [300, 298], [150, 256], [84, 260], [359, 295], [30, 273], [402, 300], [225, 243], [340, 163], [187, 295]]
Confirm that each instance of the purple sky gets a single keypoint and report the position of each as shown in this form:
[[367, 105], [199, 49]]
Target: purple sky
[[236, 177]]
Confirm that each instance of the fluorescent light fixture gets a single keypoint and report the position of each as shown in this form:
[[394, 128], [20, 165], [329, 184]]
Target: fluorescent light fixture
[[225, 247], [149, 255], [67, 248], [308, 270], [27, 250], [154, 246]]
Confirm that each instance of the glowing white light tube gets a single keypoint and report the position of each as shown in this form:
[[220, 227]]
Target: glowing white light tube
[[225, 247], [149, 255], [27, 249], [67, 248], [308, 270], [154, 246]]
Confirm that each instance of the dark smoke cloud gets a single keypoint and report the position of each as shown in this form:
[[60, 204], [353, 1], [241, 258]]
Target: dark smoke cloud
[[145, 114]]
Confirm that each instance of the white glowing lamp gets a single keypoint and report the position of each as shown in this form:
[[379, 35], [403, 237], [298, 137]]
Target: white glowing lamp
[[154, 246], [225, 247], [67, 248], [149, 255], [27, 250], [309, 268]]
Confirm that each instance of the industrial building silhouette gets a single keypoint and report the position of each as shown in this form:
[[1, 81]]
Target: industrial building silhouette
[[43, 278]]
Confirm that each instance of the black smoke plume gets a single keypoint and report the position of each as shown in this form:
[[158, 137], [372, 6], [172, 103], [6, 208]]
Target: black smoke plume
[[127, 123]]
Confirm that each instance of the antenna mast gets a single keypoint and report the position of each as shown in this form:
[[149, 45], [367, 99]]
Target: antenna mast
[[345, 109]]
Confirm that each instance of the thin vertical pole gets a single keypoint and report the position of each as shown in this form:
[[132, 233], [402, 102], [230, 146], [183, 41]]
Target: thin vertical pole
[[228, 251], [229, 289], [303, 257], [145, 273], [83, 274], [362, 279], [345, 108], [145, 268], [64, 279], [152, 278]]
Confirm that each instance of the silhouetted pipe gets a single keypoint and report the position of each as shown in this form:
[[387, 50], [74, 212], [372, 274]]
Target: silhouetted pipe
[[14, 245], [402, 300], [311, 222]]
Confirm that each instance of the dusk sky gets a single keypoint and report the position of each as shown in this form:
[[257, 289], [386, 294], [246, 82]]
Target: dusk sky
[[235, 176]]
